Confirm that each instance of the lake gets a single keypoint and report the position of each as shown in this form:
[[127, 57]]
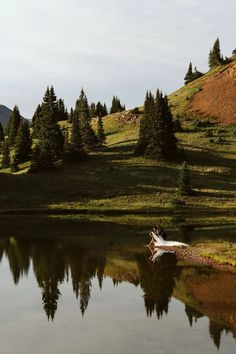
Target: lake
[[87, 285]]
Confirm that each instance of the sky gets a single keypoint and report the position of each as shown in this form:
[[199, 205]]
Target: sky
[[108, 47]]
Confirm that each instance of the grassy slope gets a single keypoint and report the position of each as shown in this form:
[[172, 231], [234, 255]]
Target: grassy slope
[[115, 179]]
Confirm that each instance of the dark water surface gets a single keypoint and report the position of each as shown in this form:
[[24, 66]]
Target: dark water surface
[[76, 285]]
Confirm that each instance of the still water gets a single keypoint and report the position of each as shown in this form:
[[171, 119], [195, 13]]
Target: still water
[[88, 286]]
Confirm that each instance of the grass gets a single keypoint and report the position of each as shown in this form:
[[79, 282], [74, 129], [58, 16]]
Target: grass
[[114, 179], [221, 252], [181, 98]]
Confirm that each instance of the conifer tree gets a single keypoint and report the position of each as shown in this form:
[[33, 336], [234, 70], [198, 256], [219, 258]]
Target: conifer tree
[[1, 133], [36, 121], [6, 160], [189, 75], [184, 180], [145, 128], [76, 144], [215, 57], [13, 125], [71, 115], [81, 113], [61, 110], [101, 137], [92, 110], [156, 134], [23, 143], [116, 105], [192, 75], [50, 136], [101, 110]]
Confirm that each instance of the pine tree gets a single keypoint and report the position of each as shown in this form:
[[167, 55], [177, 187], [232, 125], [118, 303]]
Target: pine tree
[[92, 110], [184, 180], [192, 75], [116, 105], [6, 160], [1, 133], [215, 57], [101, 137], [156, 133], [36, 121], [76, 145], [23, 143], [81, 113], [13, 125], [61, 110], [71, 115], [145, 128], [189, 75], [50, 136], [101, 110]]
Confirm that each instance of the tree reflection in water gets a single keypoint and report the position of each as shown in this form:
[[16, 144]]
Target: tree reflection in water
[[204, 291]]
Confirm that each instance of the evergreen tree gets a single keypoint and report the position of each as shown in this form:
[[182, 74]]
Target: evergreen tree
[[189, 75], [101, 110], [197, 74], [192, 75], [156, 134], [215, 57], [6, 160], [184, 180], [1, 133], [49, 134], [71, 115], [81, 113], [116, 105], [73, 148], [101, 137], [145, 128], [23, 143], [61, 110], [13, 125], [36, 160], [92, 110], [36, 121]]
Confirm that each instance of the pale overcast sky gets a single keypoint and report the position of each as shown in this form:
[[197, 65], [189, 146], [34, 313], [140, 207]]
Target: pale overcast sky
[[121, 47]]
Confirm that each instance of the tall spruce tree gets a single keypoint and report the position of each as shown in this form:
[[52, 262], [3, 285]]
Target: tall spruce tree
[[13, 125], [116, 105], [156, 134], [81, 113], [1, 133], [92, 110], [101, 137], [23, 143], [61, 110], [6, 160], [145, 127], [50, 136], [189, 75], [215, 57], [36, 121]]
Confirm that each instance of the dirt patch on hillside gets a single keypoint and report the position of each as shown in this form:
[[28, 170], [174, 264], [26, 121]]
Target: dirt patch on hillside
[[217, 98]]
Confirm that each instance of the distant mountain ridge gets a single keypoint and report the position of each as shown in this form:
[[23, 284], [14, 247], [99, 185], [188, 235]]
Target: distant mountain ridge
[[4, 114]]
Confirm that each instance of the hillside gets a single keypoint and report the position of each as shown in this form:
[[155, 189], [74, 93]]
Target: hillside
[[4, 114], [212, 96]]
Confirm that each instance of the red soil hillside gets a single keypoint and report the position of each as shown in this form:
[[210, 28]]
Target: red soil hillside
[[217, 97]]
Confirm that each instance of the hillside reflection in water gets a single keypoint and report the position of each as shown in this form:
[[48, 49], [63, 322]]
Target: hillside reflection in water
[[84, 264]]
